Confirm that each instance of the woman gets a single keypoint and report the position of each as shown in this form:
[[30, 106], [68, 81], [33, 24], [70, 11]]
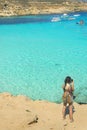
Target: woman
[[68, 89]]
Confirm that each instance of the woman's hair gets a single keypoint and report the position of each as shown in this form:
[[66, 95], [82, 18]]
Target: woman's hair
[[68, 79]]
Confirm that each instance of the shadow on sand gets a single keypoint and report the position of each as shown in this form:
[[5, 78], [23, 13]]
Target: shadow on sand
[[67, 110]]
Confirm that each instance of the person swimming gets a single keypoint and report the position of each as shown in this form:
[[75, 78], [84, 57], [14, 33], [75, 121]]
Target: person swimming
[[81, 22]]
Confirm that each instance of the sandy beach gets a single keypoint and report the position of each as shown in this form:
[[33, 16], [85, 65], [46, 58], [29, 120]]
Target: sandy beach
[[21, 113]]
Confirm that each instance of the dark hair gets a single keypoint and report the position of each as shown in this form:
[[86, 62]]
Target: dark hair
[[68, 79]]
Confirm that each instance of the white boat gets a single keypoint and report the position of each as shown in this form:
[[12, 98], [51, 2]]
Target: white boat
[[55, 19], [76, 15], [64, 15], [71, 18]]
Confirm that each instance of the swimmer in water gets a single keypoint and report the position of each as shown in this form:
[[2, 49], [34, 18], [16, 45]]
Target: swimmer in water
[[81, 22]]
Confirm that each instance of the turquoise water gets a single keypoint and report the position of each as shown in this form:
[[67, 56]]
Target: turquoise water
[[37, 53]]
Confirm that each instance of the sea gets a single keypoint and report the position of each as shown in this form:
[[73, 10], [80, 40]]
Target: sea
[[37, 52]]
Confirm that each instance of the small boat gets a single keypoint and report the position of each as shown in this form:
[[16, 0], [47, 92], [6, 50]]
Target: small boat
[[65, 14], [71, 18], [76, 15], [55, 19]]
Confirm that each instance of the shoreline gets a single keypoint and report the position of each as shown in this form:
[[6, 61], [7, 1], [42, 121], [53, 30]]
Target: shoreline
[[21, 113], [54, 13], [42, 100]]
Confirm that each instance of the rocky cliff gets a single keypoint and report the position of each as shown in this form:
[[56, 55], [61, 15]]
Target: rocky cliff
[[27, 7]]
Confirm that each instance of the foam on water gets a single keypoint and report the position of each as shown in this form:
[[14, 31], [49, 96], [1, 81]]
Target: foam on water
[[37, 54]]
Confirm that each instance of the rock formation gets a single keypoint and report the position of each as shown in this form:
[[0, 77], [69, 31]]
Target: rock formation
[[27, 7]]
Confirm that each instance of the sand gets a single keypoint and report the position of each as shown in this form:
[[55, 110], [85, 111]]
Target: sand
[[21, 113]]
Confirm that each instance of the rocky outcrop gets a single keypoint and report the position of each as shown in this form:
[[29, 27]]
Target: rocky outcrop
[[27, 7]]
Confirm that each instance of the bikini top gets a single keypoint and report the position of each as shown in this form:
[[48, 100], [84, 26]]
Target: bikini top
[[68, 88]]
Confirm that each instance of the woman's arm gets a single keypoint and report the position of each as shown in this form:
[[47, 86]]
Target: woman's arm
[[63, 87], [72, 86]]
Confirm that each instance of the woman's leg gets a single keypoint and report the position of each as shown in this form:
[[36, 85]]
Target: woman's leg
[[63, 111], [71, 112]]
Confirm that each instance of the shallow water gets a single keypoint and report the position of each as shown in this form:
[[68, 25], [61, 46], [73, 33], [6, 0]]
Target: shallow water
[[38, 52]]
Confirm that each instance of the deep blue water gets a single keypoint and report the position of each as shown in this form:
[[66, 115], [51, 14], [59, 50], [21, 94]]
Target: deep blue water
[[38, 52]]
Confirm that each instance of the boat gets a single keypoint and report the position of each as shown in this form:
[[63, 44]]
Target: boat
[[55, 19]]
